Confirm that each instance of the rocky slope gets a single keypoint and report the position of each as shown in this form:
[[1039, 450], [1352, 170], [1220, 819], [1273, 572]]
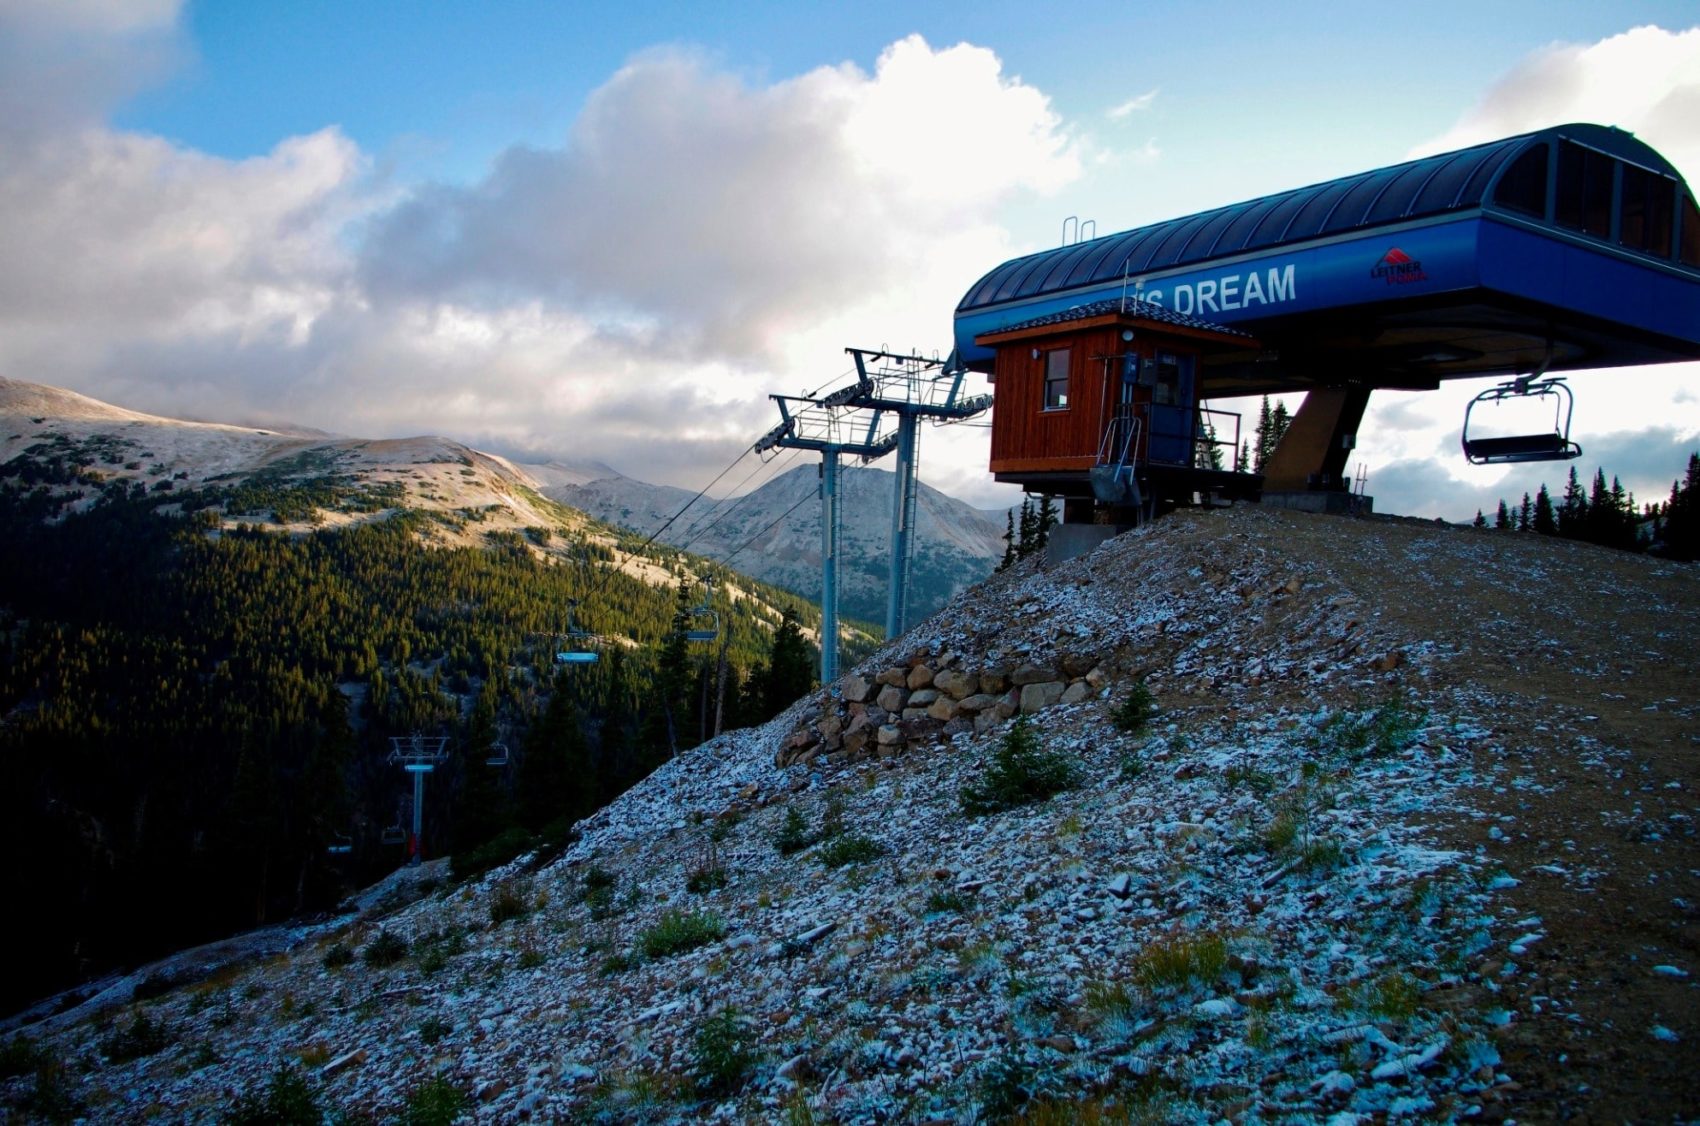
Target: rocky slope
[[775, 531], [1412, 835]]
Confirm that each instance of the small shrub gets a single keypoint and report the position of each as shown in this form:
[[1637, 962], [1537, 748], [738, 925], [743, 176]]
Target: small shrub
[[511, 900], [677, 932], [433, 959], [385, 950], [436, 1102], [1108, 999], [1257, 781], [493, 853], [19, 1056], [52, 1098], [1134, 714], [1009, 1081], [705, 879], [1022, 772], [1321, 855], [433, 1029], [1396, 996], [615, 964], [154, 985], [723, 826], [1395, 727], [793, 835], [143, 1037], [530, 958], [204, 1055], [850, 849], [596, 891], [943, 902], [314, 1055], [1182, 960], [722, 1054], [1282, 833], [832, 817], [287, 1100], [338, 955]]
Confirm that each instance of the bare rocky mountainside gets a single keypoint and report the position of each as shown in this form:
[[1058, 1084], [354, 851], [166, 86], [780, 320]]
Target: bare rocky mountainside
[[357, 479], [775, 532], [1411, 835]]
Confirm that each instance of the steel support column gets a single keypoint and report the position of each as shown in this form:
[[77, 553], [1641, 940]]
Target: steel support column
[[902, 526], [1312, 454], [829, 525]]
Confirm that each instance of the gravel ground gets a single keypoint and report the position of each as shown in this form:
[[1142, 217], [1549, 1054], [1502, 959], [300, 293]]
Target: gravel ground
[[1411, 836]]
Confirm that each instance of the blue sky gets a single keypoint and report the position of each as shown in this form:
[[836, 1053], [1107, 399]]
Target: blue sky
[[608, 231]]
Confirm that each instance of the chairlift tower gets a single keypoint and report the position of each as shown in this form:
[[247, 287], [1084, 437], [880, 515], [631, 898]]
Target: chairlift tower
[[418, 755], [912, 388], [830, 430]]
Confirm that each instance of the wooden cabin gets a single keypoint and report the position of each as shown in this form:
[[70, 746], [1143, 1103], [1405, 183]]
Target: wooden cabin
[[1099, 405]]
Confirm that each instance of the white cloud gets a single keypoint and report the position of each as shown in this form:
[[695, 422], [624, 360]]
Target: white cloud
[[1646, 80], [634, 295], [731, 217], [1132, 106]]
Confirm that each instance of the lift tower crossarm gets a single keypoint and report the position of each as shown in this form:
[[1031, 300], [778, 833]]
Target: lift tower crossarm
[[829, 430], [911, 387]]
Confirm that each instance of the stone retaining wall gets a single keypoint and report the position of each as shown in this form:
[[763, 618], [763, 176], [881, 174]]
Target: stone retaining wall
[[929, 699]]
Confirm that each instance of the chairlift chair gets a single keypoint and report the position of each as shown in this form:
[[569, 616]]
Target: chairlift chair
[[341, 844], [705, 620], [394, 835], [1553, 445], [577, 650], [498, 755]]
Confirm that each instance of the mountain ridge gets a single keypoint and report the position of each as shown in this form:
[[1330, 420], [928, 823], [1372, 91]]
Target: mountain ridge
[[773, 531]]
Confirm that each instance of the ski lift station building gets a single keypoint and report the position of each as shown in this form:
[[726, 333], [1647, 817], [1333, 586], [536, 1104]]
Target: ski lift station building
[[1570, 248]]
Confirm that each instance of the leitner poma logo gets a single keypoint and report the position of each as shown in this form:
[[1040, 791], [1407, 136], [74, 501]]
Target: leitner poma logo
[[1398, 268]]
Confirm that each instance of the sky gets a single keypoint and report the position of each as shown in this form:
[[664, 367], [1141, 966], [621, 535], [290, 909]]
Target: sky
[[609, 232]]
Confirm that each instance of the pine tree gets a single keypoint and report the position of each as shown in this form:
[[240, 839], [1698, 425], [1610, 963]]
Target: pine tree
[[790, 668], [1626, 535], [1265, 426], [1544, 522], [1029, 529], [1212, 453], [1502, 518], [1047, 521], [557, 780], [1008, 541], [1601, 515], [1243, 463], [1573, 510], [480, 807], [1525, 516], [1682, 514], [1481, 521]]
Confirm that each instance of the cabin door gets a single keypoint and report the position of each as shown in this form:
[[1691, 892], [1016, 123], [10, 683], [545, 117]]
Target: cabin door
[[1171, 413]]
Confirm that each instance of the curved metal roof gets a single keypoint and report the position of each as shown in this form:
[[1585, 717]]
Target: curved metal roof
[[1433, 185]]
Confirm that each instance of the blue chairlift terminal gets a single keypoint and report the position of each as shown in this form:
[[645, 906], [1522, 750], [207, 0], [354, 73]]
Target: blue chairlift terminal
[[1570, 248]]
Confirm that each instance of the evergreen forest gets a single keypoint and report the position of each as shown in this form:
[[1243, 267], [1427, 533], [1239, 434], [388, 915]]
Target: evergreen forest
[[195, 715], [1607, 515]]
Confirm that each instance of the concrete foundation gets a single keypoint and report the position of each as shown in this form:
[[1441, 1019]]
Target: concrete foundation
[[1331, 502], [1069, 540]]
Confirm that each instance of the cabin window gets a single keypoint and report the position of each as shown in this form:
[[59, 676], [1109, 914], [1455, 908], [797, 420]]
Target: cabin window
[[1690, 231], [1056, 379], [1647, 211], [1167, 373], [1523, 187], [1584, 189]]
